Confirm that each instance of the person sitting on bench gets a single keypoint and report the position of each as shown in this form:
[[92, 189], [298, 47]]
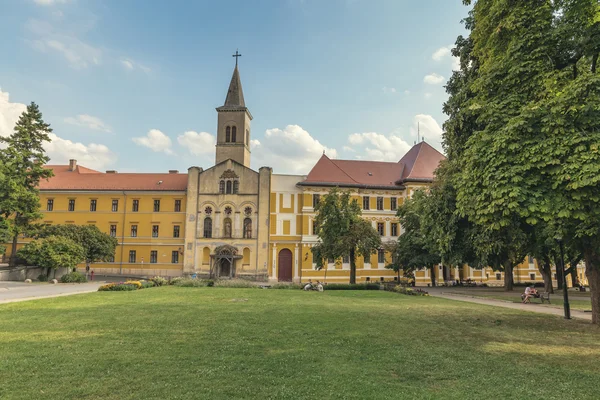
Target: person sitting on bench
[[529, 292]]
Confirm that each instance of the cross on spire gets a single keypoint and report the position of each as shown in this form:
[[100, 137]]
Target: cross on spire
[[236, 55]]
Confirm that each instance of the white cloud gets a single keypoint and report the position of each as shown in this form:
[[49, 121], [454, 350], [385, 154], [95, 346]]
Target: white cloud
[[95, 156], [378, 147], [388, 90], [433, 79], [442, 53], [429, 129], [289, 150], [407, 92], [131, 65], [49, 2], [427, 95], [198, 143], [348, 149], [156, 141], [9, 113], [88, 121]]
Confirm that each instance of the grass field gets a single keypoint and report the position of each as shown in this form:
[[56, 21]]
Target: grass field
[[218, 343]]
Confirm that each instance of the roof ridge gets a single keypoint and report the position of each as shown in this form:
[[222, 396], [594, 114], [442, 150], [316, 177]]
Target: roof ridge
[[338, 167]]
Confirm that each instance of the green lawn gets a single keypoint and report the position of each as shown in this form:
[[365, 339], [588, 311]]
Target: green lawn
[[218, 343], [577, 300]]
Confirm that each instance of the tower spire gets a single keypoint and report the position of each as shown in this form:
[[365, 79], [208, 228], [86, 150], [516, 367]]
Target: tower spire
[[235, 94]]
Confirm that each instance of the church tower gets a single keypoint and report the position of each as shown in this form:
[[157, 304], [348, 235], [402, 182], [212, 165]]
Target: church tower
[[233, 126]]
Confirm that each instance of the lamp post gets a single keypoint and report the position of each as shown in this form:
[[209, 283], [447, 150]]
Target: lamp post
[[567, 307]]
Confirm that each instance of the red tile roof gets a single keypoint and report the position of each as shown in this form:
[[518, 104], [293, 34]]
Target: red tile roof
[[88, 179], [418, 164]]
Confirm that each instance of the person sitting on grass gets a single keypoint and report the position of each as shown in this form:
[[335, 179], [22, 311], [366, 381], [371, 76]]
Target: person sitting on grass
[[309, 285], [319, 286]]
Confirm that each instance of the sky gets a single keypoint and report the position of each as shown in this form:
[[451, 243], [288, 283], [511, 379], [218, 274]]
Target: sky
[[133, 85]]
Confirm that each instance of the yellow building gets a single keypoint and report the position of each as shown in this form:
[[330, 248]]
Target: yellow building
[[231, 221]]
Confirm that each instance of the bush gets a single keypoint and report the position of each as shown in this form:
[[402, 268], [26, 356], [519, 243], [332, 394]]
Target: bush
[[117, 287], [410, 291], [159, 281], [234, 283], [210, 283], [43, 278], [147, 284], [174, 281], [73, 277], [191, 282], [287, 286], [137, 284], [348, 286]]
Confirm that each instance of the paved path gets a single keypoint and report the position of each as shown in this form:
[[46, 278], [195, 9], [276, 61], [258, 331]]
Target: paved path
[[19, 291], [507, 304]]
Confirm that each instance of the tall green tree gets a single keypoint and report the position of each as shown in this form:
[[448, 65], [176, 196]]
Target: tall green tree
[[52, 253], [97, 246], [22, 162], [342, 231]]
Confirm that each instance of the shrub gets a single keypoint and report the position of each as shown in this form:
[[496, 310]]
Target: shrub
[[147, 284], [287, 286], [189, 282], [43, 278], [174, 281], [159, 281], [356, 286], [234, 283], [73, 277], [137, 284], [210, 283], [117, 287], [410, 291]]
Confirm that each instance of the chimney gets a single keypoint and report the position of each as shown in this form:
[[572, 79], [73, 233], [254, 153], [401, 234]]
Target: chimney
[[72, 165], [111, 171], [173, 171]]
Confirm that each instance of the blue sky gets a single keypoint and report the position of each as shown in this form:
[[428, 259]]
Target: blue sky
[[133, 85]]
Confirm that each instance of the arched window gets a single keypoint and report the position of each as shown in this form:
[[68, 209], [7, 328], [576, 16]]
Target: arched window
[[221, 187], [247, 137], [227, 228], [233, 133], [247, 228], [236, 186], [228, 187], [228, 134], [207, 227]]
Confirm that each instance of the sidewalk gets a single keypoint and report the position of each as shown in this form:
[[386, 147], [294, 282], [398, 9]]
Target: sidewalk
[[506, 304], [17, 291]]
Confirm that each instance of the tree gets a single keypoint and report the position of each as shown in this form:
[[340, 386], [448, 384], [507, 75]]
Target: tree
[[342, 231], [52, 253], [97, 246], [22, 163], [415, 249]]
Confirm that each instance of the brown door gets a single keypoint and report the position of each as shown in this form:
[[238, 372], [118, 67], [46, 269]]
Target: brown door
[[285, 266]]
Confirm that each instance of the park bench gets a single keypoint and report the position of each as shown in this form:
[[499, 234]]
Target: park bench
[[543, 296]]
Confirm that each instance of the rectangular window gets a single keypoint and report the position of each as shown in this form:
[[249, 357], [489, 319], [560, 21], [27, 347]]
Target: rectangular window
[[154, 230], [131, 256], [111, 259], [393, 204], [50, 205], [498, 276], [316, 199], [113, 230], [315, 228], [93, 205], [380, 228], [136, 206], [381, 256], [177, 207], [175, 231], [156, 205], [532, 277], [380, 203], [71, 204], [366, 205], [133, 230], [330, 261], [115, 205], [153, 257], [530, 259], [175, 257], [346, 259], [394, 229]]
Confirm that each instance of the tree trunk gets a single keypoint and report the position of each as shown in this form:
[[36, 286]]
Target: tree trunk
[[574, 279], [352, 267], [432, 273], [546, 271], [592, 271], [508, 276], [559, 274], [13, 252]]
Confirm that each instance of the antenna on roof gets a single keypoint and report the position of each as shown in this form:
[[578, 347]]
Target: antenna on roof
[[323, 151]]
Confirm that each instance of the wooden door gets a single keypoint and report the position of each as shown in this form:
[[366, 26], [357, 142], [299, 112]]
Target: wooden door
[[285, 266]]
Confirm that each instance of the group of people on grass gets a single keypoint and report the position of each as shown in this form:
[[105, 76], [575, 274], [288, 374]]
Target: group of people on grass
[[310, 286]]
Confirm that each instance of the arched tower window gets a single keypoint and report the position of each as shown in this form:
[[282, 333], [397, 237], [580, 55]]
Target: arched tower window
[[227, 228], [207, 227], [228, 134], [221, 187], [236, 187], [247, 228], [233, 133], [228, 187]]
